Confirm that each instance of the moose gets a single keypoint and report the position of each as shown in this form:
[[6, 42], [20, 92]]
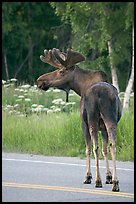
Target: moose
[[100, 106]]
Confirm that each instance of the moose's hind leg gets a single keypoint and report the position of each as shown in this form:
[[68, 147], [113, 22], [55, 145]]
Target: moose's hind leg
[[94, 135], [105, 153], [88, 180], [111, 129], [108, 178]]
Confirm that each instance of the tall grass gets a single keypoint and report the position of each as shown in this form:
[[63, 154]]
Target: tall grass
[[60, 134], [54, 133]]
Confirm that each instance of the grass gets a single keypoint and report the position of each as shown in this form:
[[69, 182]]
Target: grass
[[53, 133], [59, 134]]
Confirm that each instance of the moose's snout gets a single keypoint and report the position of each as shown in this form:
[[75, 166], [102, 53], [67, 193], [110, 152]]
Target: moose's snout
[[42, 85], [39, 83]]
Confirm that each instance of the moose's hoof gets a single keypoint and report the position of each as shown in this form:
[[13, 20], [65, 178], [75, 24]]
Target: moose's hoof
[[98, 184], [87, 180], [108, 179], [115, 186]]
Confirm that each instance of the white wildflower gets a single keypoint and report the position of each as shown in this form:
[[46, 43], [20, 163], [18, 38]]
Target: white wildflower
[[57, 110], [40, 106], [38, 109], [16, 105], [26, 86], [70, 103], [7, 85], [3, 82], [18, 113], [49, 111], [45, 109], [9, 106], [34, 105], [56, 90], [13, 80], [53, 107], [62, 102], [17, 89], [21, 115], [10, 112], [71, 94], [57, 101], [48, 91], [27, 99], [21, 90], [21, 96]]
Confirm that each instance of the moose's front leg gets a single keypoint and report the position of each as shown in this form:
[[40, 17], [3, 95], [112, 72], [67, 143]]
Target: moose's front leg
[[88, 153], [87, 143]]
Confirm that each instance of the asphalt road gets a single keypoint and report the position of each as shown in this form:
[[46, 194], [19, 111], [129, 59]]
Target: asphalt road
[[33, 178]]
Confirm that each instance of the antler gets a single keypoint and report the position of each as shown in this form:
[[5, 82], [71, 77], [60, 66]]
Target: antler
[[71, 59], [50, 59]]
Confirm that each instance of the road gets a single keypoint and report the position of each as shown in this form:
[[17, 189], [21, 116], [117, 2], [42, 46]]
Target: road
[[35, 178]]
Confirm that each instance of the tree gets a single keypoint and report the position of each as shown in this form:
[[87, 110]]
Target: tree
[[129, 24], [26, 31]]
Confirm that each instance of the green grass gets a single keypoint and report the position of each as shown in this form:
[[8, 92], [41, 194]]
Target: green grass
[[60, 134], [55, 134]]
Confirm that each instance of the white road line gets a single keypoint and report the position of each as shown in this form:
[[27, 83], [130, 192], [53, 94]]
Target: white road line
[[60, 163]]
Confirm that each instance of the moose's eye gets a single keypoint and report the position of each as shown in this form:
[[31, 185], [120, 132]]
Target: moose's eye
[[62, 72]]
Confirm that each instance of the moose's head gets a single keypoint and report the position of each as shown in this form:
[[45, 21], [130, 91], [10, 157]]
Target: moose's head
[[65, 62]]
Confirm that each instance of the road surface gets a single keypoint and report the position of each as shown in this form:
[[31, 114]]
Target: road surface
[[35, 178]]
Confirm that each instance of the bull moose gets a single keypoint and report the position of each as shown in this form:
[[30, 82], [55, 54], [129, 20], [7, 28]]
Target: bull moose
[[100, 107]]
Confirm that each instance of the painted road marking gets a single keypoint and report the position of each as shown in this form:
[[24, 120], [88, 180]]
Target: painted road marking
[[59, 163], [69, 189]]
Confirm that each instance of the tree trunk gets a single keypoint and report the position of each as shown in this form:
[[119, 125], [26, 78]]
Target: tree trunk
[[113, 68], [22, 64], [30, 59], [6, 66], [131, 79], [30, 46]]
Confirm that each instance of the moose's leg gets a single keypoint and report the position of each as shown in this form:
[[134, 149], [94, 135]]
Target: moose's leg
[[88, 151], [87, 138], [111, 129], [94, 136], [105, 154]]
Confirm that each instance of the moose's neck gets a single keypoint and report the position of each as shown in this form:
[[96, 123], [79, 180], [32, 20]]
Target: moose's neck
[[83, 79]]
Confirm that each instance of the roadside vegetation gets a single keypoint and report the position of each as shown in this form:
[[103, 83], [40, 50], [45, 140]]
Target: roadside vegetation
[[39, 122]]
